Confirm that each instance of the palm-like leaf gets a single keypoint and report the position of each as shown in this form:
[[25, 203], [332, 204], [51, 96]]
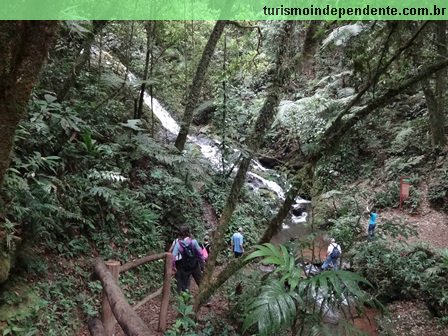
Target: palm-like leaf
[[276, 306], [280, 257], [274, 309]]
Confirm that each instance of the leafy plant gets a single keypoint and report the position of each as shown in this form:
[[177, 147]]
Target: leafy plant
[[184, 324], [289, 300]]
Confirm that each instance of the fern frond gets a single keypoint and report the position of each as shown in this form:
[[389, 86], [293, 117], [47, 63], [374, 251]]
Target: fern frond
[[104, 175]]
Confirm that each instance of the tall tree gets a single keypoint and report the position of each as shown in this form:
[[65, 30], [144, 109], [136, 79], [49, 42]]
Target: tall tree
[[436, 95], [23, 49], [262, 125], [197, 83], [439, 138], [81, 58]]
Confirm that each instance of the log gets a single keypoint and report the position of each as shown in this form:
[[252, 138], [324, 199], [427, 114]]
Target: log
[[126, 267], [128, 319], [96, 327], [108, 319], [166, 292]]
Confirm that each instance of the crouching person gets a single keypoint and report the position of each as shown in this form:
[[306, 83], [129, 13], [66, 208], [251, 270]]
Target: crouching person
[[187, 260], [333, 254]]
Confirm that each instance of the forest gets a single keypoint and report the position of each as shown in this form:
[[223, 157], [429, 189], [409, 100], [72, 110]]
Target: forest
[[275, 142]]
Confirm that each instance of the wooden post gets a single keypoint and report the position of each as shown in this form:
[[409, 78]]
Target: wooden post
[[128, 319], [166, 292], [108, 318], [96, 327], [404, 189]]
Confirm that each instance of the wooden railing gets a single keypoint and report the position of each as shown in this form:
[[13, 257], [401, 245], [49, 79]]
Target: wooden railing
[[114, 304]]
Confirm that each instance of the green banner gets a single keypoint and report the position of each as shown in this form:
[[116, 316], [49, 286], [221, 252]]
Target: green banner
[[222, 9]]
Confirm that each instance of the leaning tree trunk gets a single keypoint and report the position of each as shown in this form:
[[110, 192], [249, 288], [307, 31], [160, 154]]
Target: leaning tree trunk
[[23, 49], [262, 125], [198, 80], [82, 57]]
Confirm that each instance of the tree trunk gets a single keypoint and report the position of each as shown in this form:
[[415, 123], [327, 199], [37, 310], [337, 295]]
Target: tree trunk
[[436, 129], [198, 80], [438, 123], [23, 49], [150, 30], [262, 125], [82, 57]]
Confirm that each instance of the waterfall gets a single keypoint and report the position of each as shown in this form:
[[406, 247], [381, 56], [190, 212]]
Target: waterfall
[[209, 147]]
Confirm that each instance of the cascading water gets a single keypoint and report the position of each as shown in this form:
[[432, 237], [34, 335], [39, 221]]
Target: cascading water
[[210, 150], [209, 147]]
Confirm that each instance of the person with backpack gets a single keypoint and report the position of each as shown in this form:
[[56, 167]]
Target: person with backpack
[[190, 262], [333, 253]]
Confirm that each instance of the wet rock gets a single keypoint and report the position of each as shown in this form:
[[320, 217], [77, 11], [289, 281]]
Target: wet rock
[[204, 113]]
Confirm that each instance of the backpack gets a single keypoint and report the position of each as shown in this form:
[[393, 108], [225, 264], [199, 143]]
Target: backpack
[[204, 253], [189, 259], [336, 253]]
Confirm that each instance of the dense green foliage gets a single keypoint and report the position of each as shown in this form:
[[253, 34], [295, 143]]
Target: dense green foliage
[[88, 180]]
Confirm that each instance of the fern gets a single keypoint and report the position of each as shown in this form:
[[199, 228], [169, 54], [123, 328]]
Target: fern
[[107, 195], [106, 176]]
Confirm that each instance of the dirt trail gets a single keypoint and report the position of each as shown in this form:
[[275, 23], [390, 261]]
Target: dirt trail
[[431, 225]]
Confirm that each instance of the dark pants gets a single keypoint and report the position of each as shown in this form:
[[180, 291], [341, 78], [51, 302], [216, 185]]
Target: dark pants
[[238, 254], [183, 278], [371, 231]]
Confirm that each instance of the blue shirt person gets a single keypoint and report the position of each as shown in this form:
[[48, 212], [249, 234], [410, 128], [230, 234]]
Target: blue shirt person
[[372, 224], [237, 243]]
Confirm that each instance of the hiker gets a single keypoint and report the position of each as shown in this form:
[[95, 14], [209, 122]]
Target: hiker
[[190, 262], [372, 223], [205, 246], [205, 250], [237, 243], [333, 253]]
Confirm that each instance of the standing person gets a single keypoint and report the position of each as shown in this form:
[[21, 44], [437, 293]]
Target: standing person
[[190, 262], [372, 223], [237, 243], [333, 253], [207, 244]]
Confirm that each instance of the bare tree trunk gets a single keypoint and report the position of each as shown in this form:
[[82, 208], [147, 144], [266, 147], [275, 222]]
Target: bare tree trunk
[[82, 57], [262, 125], [438, 126], [198, 81], [23, 49], [150, 31]]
